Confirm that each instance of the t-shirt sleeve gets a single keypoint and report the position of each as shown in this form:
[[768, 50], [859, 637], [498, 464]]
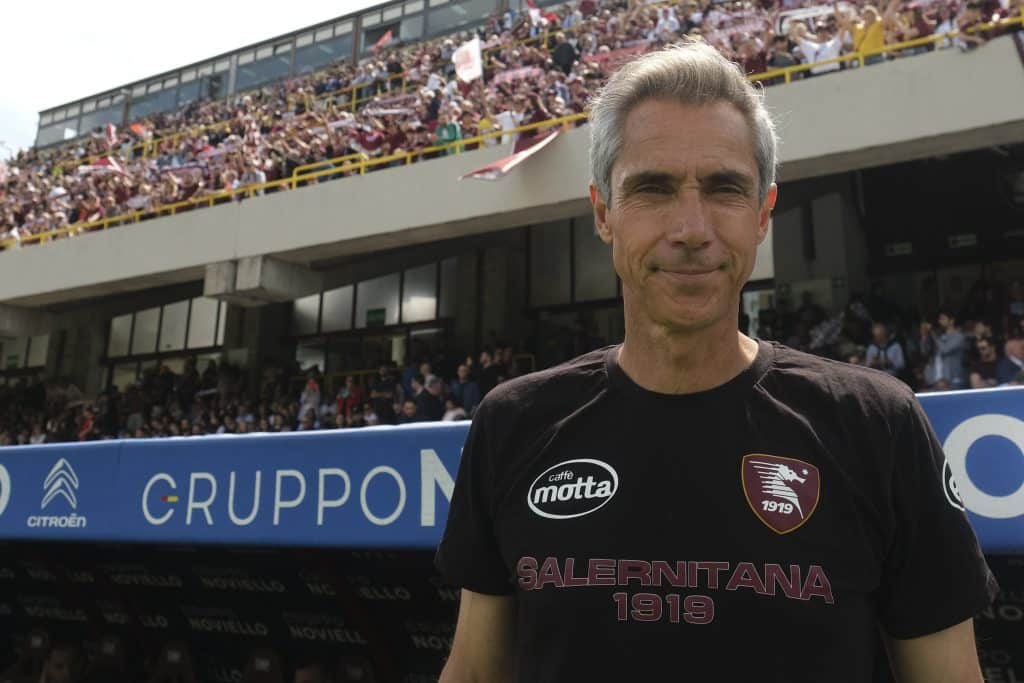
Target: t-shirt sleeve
[[935, 575], [468, 556]]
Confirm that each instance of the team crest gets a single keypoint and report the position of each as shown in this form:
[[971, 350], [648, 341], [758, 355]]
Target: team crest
[[782, 492]]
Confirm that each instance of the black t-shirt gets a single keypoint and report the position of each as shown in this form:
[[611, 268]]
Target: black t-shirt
[[757, 531]]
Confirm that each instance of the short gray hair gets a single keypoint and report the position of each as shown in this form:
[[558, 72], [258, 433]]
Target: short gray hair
[[693, 73]]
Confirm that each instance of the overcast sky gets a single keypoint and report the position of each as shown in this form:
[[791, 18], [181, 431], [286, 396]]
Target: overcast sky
[[55, 51]]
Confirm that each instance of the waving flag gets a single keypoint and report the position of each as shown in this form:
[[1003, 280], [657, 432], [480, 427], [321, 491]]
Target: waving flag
[[499, 169], [469, 64], [384, 40]]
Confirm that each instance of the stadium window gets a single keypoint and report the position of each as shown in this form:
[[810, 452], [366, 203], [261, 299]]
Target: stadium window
[[324, 34], [104, 102], [138, 90], [188, 92], [45, 118], [59, 115], [312, 58], [377, 301], [306, 315], [202, 323], [392, 13], [188, 76], [38, 347], [163, 100], [444, 19], [14, 353], [118, 98], [282, 48], [171, 82], [246, 58], [120, 336], [343, 28], [49, 135], [205, 70], [593, 272], [89, 106], [147, 326], [549, 264], [412, 27], [124, 375], [448, 280], [73, 110], [309, 353], [304, 40], [371, 36], [262, 71], [419, 294], [99, 118], [222, 65], [172, 326], [371, 19], [337, 309], [414, 7], [264, 52], [435, 3], [154, 87]]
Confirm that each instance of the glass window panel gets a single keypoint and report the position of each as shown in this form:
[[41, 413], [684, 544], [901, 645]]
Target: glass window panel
[[414, 6], [342, 28], [37, 351], [549, 264], [117, 99], [100, 118], [45, 119], [594, 271], [203, 361], [172, 329], [206, 70], [124, 375], [171, 82], [74, 109], [412, 27], [139, 89], [262, 71], [282, 48], [222, 320], [377, 302], [371, 36], [444, 19], [392, 13], [189, 92], [153, 103], [120, 336], [324, 34], [435, 3], [312, 58], [188, 76], [305, 40], [306, 314], [155, 87], [222, 65], [59, 115], [14, 353], [246, 58], [419, 294], [48, 135], [89, 106], [202, 324], [175, 365], [337, 313], [264, 52], [371, 19], [448, 279], [310, 354], [147, 324]]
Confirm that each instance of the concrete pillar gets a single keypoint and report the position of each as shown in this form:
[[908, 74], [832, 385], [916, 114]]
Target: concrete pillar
[[259, 280], [467, 296]]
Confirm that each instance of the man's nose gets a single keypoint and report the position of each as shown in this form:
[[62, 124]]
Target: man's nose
[[690, 224]]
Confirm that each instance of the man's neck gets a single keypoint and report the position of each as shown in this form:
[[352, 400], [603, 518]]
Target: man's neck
[[674, 362]]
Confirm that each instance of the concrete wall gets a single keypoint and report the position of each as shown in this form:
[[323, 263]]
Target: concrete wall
[[938, 103]]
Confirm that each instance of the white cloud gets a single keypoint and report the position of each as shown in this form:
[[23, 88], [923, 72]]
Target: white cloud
[[56, 52]]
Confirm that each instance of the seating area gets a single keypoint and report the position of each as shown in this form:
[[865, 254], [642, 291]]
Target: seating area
[[406, 104]]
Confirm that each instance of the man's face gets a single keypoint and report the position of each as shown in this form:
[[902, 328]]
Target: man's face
[[409, 409], [945, 322], [463, 372], [880, 334], [986, 351], [684, 220]]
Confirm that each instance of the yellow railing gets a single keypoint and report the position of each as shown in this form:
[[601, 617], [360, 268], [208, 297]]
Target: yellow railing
[[457, 146], [291, 182]]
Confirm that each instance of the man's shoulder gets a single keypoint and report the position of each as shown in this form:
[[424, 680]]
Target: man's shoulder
[[568, 383], [816, 377]]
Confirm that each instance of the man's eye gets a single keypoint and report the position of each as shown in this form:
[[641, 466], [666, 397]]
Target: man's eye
[[729, 189], [651, 189]]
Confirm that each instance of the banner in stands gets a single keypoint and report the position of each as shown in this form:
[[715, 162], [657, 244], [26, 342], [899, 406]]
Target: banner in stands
[[386, 487]]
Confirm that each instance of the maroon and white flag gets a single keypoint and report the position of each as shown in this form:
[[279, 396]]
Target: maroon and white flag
[[782, 492], [499, 169], [111, 135]]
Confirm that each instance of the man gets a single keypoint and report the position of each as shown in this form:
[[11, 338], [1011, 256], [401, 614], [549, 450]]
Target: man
[[693, 500], [885, 353], [1012, 363], [383, 394], [983, 370], [430, 402], [465, 391]]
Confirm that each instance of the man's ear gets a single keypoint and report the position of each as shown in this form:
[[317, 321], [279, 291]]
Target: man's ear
[[765, 216], [600, 215]]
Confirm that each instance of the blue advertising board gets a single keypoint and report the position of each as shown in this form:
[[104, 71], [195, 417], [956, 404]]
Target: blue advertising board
[[386, 487]]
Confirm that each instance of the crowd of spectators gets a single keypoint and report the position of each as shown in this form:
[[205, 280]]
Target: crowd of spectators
[[218, 400], [539, 65], [971, 339]]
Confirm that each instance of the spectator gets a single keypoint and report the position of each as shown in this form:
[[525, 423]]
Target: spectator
[[408, 414], [350, 397], [384, 394], [983, 371], [885, 353], [453, 411], [947, 351], [429, 401], [1012, 362], [564, 54], [465, 391]]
